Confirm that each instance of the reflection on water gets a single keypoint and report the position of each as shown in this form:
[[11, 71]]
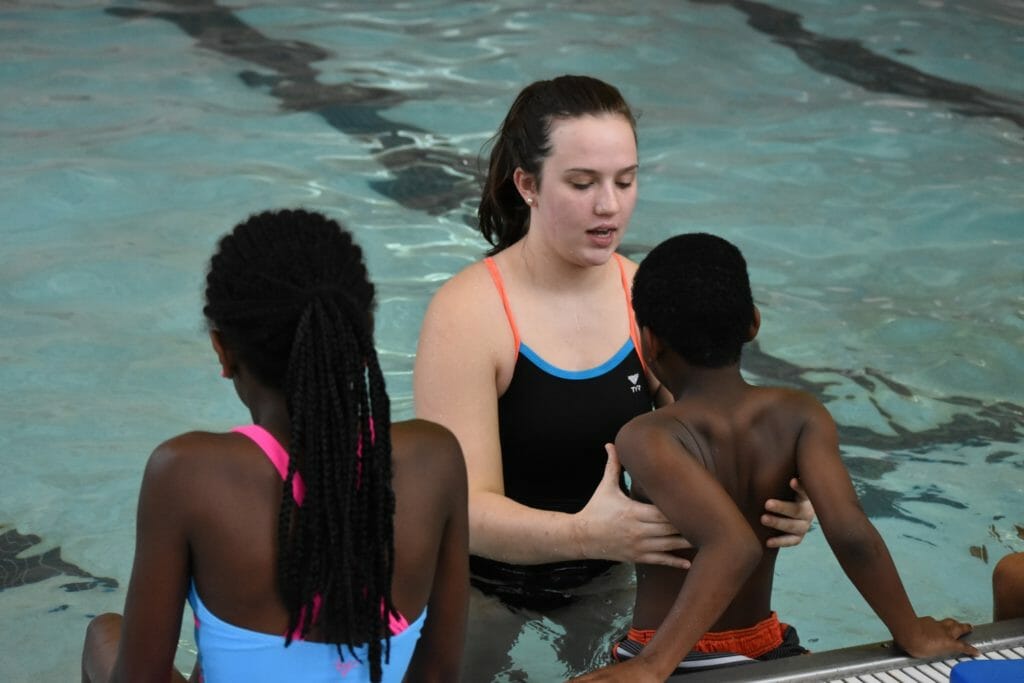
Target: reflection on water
[[883, 232]]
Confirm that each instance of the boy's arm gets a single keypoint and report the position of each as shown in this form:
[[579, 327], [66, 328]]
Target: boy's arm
[[695, 503], [857, 544]]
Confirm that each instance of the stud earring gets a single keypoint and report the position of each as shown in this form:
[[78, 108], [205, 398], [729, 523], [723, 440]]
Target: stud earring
[[529, 200]]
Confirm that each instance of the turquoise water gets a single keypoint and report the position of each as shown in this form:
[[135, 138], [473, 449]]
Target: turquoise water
[[875, 186]]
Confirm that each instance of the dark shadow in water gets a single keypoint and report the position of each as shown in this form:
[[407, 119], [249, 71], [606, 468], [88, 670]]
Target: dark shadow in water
[[439, 179], [979, 425], [17, 571], [986, 423], [854, 63], [435, 180]]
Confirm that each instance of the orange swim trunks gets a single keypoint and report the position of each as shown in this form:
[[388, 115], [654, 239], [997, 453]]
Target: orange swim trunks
[[767, 639]]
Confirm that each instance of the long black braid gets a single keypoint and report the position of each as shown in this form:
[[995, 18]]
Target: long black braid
[[289, 293]]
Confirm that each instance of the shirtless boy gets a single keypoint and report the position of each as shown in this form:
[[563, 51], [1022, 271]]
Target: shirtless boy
[[711, 458]]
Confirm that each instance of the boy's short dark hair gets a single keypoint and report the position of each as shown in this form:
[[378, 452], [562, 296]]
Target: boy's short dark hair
[[693, 292]]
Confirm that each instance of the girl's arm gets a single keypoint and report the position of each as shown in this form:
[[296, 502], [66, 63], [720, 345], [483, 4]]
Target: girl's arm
[[159, 581], [438, 654]]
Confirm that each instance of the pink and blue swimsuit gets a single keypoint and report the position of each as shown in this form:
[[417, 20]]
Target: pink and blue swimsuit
[[231, 653]]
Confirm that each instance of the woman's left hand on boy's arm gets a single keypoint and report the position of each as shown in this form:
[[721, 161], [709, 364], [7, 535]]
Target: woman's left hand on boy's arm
[[631, 671], [792, 518]]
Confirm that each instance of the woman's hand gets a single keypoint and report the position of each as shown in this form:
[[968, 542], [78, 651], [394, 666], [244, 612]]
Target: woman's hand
[[614, 527], [793, 519]]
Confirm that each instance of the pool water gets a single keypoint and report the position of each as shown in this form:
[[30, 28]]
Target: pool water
[[868, 159]]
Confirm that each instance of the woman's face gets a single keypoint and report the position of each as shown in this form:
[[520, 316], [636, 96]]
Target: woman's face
[[582, 205]]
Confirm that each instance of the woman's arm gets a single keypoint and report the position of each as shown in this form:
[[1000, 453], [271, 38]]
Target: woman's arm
[[465, 344]]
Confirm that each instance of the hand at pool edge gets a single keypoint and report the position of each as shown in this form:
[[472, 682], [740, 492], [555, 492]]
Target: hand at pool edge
[[934, 638], [634, 670]]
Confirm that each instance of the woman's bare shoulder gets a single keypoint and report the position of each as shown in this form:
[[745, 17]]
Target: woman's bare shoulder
[[465, 318], [464, 287]]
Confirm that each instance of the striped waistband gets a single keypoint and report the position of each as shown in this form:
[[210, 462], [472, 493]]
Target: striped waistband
[[753, 641]]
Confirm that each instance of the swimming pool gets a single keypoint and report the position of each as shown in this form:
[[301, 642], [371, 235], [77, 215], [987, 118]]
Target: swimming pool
[[869, 160]]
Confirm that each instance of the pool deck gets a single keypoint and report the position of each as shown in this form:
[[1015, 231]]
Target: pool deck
[[860, 660]]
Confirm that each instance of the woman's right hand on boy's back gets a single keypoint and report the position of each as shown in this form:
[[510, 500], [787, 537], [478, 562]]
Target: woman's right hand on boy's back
[[612, 526], [931, 638]]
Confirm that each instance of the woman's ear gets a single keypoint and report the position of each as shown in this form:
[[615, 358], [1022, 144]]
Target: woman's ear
[[526, 183], [224, 356], [755, 324]]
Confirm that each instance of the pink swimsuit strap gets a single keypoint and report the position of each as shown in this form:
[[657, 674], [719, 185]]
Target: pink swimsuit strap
[[278, 456]]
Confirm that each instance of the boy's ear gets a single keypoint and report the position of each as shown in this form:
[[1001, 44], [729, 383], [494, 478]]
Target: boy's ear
[[650, 345], [755, 324], [224, 356]]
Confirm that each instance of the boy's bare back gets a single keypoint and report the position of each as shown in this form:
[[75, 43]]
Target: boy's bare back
[[711, 459], [746, 437]]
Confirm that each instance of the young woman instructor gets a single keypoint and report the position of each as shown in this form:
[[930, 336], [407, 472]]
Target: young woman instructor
[[530, 358]]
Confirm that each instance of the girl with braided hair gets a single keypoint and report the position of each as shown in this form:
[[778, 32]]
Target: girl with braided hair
[[320, 543]]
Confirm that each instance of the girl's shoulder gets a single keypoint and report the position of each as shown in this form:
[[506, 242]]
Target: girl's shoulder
[[427, 457], [424, 442], [191, 448], [199, 459]]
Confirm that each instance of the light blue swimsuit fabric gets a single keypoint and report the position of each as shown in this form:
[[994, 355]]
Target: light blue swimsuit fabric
[[229, 653]]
